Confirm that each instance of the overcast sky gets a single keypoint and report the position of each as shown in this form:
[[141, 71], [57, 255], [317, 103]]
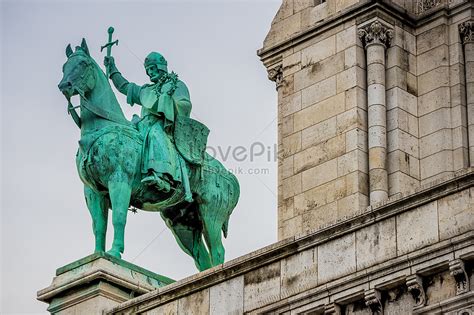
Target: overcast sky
[[211, 45]]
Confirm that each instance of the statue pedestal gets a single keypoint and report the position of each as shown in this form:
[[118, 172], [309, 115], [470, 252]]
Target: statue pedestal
[[97, 282]]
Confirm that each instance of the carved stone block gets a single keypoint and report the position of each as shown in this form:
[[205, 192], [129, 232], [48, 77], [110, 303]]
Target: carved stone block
[[458, 271], [415, 287], [373, 300]]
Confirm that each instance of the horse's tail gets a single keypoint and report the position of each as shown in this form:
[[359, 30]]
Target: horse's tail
[[234, 193]]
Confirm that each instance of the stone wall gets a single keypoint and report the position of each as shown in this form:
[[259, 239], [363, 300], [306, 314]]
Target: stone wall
[[413, 255], [372, 99]]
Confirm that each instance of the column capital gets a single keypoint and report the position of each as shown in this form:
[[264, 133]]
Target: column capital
[[276, 74], [466, 30], [375, 33]]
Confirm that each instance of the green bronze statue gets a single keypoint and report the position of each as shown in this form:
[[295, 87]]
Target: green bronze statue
[[156, 162]]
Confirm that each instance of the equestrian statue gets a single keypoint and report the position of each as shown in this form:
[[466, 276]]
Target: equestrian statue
[[155, 162]]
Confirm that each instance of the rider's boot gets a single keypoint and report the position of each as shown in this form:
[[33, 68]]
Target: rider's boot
[[159, 180]]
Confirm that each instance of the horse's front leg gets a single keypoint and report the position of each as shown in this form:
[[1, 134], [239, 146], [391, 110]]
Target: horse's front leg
[[99, 208], [120, 193]]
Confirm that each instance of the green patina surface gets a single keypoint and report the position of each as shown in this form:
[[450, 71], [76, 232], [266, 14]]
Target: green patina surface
[[156, 162], [89, 259]]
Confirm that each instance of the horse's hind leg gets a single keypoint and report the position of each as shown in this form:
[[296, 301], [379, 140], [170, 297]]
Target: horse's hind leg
[[213, 234], [189, 238], [119, 192], [98, 208]]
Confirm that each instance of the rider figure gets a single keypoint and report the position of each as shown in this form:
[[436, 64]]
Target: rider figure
[[165, 98]]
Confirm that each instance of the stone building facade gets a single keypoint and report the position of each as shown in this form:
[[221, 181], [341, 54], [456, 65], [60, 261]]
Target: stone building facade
[[376, 169]]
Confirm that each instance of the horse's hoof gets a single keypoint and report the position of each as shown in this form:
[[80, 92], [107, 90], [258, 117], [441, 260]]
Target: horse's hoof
[[114, 253]]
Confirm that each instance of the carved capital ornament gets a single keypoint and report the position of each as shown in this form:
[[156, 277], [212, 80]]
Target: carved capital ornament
[[466, 30], [276, 74], [375, 33]]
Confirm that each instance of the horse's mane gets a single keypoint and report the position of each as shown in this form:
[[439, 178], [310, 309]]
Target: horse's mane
[[107, 99]]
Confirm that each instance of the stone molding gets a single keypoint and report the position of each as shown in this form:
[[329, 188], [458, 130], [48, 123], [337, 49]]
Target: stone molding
[[332, 309], [415, 287], [458, 271], [466, 30], [375, 33]]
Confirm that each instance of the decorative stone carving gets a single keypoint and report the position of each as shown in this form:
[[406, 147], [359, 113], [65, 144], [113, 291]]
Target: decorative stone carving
[[332, 309], [424, 5], [465, 312], [458, 271], [466, 30], [415, 287], [373, 300], [276, 74], [375, 33]]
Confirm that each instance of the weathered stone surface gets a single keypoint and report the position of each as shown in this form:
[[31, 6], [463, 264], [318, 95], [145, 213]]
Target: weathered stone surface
[[262, 286], [435, 164], [346, 38], [292, 226], [291, 104], [376, 243], [350, 119], [398, 301], [170, 308], [319, 91], [430, 39], [318, 112], [299, 273], [194, 304], [417, 228], [319, 216], [354, 56], [441, 287], [435, 142], [433, 100], [291, 144], [313, 72], [433, 79], [319, 132], [456, 214], [320, 195], [355, 160], [323, 152], [319, 51], [227, 297], [434, 121], [291, 186], [398, 98], [320, 174], [432, 59], [336, 258], [350, 78]]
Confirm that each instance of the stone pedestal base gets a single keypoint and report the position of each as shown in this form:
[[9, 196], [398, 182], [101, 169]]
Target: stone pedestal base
[[97, 282]]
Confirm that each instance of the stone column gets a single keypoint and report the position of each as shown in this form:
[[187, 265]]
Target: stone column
[[376, 38], [466, 31]]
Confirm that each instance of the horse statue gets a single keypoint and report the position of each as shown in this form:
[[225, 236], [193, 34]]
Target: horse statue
[[108, 162]]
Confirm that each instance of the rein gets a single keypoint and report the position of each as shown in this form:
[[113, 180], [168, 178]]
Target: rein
[[86, 104]]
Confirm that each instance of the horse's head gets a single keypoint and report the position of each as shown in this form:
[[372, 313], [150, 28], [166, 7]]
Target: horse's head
[[78, 72]]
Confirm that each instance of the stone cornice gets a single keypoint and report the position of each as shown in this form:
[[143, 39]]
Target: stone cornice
[[293, 245], [375, 33], [466, 30]]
